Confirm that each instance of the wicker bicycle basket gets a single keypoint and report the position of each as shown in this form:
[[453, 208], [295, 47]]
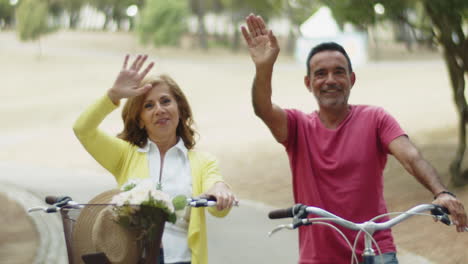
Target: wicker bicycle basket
[[75, 228]]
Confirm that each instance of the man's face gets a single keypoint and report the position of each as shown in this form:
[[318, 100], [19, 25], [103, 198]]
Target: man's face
[[329, 79]]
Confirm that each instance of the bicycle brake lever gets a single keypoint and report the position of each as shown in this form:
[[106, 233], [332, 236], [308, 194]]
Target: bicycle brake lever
[[297, 222], [280, 227], [33, 209], [445, 219], [44, 209]]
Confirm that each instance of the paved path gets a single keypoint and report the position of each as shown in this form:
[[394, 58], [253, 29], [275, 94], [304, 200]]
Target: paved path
[[241, 235]]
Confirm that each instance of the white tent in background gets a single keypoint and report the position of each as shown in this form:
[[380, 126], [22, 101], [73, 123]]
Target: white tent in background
[[321, 27]]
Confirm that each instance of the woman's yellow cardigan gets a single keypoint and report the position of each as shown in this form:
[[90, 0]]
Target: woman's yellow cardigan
[[125, 161]]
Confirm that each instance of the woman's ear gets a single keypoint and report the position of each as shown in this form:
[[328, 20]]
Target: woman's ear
[[141, 125]]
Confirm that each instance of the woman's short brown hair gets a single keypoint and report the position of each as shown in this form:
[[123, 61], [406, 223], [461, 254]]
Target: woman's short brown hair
[[134, 105]]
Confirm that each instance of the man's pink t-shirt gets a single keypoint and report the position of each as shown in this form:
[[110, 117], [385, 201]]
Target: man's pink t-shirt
[[340, 170]]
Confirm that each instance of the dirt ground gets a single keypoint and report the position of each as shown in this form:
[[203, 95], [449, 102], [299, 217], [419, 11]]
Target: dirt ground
[[43, 96]]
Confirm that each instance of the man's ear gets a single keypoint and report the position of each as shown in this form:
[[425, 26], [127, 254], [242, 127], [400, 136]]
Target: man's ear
[[353, 79], [307, 82]]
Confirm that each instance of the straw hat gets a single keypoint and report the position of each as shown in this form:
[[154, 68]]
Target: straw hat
[[96, 231]]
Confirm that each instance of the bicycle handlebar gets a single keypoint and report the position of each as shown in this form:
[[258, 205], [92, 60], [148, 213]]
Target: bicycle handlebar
[[300, 213], [201, 202], [204, 202], [59, 202]]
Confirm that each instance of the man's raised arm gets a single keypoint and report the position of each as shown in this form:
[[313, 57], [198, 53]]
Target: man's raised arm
[[264, 50]]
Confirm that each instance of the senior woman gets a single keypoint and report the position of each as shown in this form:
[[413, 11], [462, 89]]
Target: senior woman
[[157, 143]]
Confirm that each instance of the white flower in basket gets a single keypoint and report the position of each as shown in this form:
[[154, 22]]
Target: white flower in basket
[[143, 207]]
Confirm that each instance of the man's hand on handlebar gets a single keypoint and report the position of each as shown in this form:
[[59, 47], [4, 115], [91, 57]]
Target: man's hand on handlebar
[[456, 209]]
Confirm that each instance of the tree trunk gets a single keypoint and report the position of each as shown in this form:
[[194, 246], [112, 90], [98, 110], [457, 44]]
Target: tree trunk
[[74, 19], [39, 56], [458, 87], [376, 50], [107, 18], [291, 44], [235, 43], [202, 36], [236, 40], [456, 61]]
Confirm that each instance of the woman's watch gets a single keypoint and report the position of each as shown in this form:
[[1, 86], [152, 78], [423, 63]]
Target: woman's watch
[[446, 192]]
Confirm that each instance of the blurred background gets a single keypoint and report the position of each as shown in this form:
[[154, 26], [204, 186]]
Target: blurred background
[[58, 56]]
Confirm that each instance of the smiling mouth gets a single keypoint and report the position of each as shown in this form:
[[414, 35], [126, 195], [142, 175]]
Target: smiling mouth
[[331, 91], [162, 121]]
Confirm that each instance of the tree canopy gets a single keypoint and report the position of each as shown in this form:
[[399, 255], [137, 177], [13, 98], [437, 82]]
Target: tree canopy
[[32, 19], [163, 22], [6, 13]]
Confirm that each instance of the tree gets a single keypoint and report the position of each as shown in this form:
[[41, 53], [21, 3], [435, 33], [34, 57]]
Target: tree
[[199, 8], [297, 12], [242, 8], [448, 18], [7, 12], [105, 6], [32, 20], [444, 21], [115, 10], [163, 22], [72, 8]]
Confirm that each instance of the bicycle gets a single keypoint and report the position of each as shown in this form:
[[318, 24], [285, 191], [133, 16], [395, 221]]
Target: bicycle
[[70, 210], [300, 212]]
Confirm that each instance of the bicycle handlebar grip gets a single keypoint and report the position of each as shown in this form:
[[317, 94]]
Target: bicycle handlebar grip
[[443, 213], [51, 210], [281, 213], [439, 210], [50, 199]]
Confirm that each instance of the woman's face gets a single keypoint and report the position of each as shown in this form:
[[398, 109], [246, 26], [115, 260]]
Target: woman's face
[[160, 114]]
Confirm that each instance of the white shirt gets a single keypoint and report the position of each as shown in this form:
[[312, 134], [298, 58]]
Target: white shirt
[[176, 179]]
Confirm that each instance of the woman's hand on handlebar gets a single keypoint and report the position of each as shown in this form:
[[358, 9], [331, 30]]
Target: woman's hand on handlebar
[[127, 83], [456, 209], [224, 197]]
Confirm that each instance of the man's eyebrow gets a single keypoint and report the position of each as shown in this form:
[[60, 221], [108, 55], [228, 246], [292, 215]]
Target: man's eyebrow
[[319, 70]]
